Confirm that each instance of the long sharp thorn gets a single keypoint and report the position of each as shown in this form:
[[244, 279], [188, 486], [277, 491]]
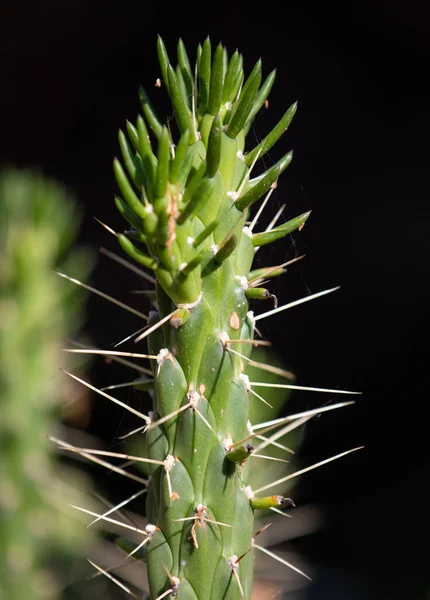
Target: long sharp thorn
[[99, 461], [315, 466], [111, 398], [115, 455], [261, 208], [263, 366], [127, 384], [300, 387], [273, 443], [164, 594], [119, 506], [109, 520], [113, 579], [145, 541], [260, 397], [109, 229], [281, 560], [103, 295], [306, 413], [253, 455], [122, 361], [273, 222], [295, 303], [127, 265], [272, 439], [205, 421], [269, 425], [110, 353], [130, 336], [138, 430], [155, 424], [154, 327], [280, 512]]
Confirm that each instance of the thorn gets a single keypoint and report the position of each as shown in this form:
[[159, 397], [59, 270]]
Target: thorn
[[130, 336], [110, 353], [260, 397], [109, 520], [128, 265], [316, 465], [263, 366], [115, 455], [106, 227], [260, 210], [154, 327], [281, 560], [269, 458], [113, 579], [117, 359], [111, 398], [271, 269], [301, 388], [118, 506], [103, 463], [103, 295], [295, 303], [234, 565], [127, 384]]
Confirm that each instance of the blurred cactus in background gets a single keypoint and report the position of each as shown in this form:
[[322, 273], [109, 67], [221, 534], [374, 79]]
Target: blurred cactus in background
[[39, 536]]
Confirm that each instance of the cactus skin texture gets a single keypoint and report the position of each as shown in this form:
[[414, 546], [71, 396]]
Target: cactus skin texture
[[188, 204], [41, 537]]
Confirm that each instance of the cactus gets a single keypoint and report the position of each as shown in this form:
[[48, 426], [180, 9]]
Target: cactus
[[41, 537], [186, 190]]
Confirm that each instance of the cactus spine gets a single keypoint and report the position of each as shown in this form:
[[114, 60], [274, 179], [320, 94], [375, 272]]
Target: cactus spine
[[187, 196]]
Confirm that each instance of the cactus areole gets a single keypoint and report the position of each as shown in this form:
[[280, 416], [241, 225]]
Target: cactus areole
[[186, 190]]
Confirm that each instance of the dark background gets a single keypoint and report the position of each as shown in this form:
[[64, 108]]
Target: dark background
[[70, 72]]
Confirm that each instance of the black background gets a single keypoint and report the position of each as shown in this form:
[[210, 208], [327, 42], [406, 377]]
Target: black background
[[70, 73]]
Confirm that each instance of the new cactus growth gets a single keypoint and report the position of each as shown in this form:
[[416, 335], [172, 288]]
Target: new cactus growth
[[187, 194]]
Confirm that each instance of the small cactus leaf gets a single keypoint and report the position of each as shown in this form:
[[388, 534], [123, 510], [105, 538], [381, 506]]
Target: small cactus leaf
[[263, 183], [149, 113], [184, 64], [270, 502], [180, 154], [200, 196], [127, 191], [205, 233], [127, 156], [271, 139], [163, 59], [128, 214], [266, 273], [205, 72], [261, 96], [139, 256], [227, 248], [183, 114], [163, 157], [148, 160], [240, 453], [213, 155], [132, 135], [185, 170], [267, 237], [259, 293], [193, 183], [216, 82], [230, 77], [245, 103]]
